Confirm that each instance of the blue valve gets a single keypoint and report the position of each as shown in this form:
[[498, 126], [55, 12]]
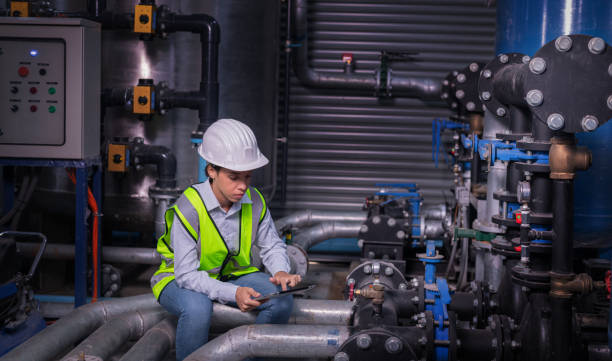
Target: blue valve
[[437, 127]]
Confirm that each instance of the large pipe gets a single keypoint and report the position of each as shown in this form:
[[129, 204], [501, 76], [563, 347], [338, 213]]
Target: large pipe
[[54, 339], [273, 341], [155, 343], [309, 217], [111, 336], [424, 88], [162, 157], [314, 235], [134, 255]]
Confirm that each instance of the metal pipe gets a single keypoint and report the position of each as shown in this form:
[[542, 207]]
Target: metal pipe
[[287, 86], [106, 340], [134, 255], [162, 157], [309, 217], [314, 235], [54, 339], [155, 343], [305, 312], [424, 88], [273, 341]]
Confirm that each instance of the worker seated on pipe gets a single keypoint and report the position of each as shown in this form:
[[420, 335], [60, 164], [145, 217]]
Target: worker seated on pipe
[[210, 230]]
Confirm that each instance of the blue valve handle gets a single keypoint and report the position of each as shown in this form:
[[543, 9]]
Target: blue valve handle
[[437, 127]]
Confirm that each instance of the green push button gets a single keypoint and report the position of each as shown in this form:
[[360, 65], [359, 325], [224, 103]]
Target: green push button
[[51, 91], [52, 109]]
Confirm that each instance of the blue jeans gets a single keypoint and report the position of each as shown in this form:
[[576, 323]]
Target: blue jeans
[[194, 310]]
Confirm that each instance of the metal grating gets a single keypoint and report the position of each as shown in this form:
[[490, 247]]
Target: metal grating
[[342, 142]]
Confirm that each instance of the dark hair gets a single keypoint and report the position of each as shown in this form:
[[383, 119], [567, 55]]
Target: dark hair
[[215, 167]]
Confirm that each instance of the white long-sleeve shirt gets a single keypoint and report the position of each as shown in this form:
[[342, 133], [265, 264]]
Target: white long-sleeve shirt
[[186, 261]]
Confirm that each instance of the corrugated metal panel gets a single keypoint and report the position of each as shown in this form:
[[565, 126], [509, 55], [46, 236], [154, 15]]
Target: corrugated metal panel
[[342, 142]]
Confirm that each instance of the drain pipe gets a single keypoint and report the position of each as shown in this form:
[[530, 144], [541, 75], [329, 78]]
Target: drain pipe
[[273, 341], [424, 88], [111, 336], [310, 217], [155, 343], [324, 231]]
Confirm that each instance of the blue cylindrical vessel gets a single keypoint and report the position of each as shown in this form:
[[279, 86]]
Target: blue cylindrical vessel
[[524, 26]]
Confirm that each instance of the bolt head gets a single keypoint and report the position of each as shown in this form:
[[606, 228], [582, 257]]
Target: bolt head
[[341, 356], [391, 222], [563, 43], [597, 45], [388, 271], [470, 106], [555, 121], [474, 67], [500, 112], [400, 234], [610, 102], [350, 281], [525, 59], [461, 78], [534, 97], [376, 220], [537, 65], [445, 82], [403, 286], [487, 73], [364, 341], [485, 96], [460, 94], [503, 58], [610, 70], [444, 96], [364, 228], [393, 345], [589, 123], [367, 269]]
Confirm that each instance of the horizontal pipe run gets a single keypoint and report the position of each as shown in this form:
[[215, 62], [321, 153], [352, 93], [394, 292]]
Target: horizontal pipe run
[[155, 343], [316, 234], [310, 217], [273, 341], [106, 340], [134, 255]]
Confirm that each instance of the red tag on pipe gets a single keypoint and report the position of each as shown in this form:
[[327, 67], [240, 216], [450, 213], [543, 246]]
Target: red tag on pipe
[[519, 218], [517, 248]]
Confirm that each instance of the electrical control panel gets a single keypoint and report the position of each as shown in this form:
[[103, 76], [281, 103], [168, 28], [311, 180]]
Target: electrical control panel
[[49, 88]]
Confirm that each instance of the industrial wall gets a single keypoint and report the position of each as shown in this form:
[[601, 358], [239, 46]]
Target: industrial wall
[[342, 142]]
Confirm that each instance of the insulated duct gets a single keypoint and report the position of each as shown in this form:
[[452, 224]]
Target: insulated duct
[[309, 217], [273, 341], [424, 88], [155, 343], [314, 235]]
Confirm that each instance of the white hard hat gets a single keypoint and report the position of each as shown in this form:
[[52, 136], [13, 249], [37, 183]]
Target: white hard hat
[[231, 144]]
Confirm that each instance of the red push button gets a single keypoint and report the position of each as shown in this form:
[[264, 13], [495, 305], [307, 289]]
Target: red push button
[[33, 90], [33, 108], [23, 71]]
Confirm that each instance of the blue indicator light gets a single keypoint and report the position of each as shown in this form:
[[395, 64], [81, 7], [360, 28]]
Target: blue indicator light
[[33, 52]]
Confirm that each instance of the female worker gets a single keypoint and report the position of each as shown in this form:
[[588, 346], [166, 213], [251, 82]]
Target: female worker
[[210, 233]]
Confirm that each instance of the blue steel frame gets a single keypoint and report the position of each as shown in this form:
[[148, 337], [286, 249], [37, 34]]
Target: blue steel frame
[[80, 231]]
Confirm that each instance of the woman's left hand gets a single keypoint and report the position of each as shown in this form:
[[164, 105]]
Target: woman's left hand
[[285, 279]]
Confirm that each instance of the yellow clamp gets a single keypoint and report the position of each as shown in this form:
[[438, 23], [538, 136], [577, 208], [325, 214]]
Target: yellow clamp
[[20, 9], [144, 19], [117, 158], [143, 98]]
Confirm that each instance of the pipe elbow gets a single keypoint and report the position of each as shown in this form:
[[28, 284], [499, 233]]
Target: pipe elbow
[[162, 158]]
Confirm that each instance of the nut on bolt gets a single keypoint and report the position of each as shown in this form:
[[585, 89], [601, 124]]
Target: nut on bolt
[[341, 356], [563, 43], [597, 45], [474, 67], [485, 96], [589, 123], [461, 78], [364, 341], [503, 58], [537, 65], [526, 59], [470, 106], [460, 94], [500, 112], [364, 228], [534, 97], [388, 271], [487, 73], [393, 345], [555, 121], [609, 102], [367, 269]]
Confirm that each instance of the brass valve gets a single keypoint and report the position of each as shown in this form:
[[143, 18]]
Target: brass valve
[[565, 158]]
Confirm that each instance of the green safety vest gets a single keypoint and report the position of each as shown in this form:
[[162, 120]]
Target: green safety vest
[[215, 257]]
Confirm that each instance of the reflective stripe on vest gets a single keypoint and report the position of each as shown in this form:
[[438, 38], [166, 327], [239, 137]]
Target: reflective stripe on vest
[[215, 257]]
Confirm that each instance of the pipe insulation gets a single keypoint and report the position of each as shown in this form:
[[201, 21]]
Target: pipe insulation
[[314, 235], [107, 339], [273, 341], [310, 217], [133, 255], [155, 343]]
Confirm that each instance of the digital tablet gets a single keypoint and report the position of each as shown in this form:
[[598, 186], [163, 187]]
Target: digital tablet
[[284, 293]]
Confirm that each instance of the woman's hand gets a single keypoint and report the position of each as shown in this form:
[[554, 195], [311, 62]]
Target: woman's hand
[[285, 279], [244, 300]]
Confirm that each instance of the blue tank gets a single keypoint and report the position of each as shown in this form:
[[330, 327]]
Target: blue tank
[[524, 26]]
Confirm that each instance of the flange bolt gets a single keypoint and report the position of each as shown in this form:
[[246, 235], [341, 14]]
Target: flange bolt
[[503, 58], [485, 96], [597, 45], [590, 123], [555, 121], [341, 356], [487, 73], [563, 43], [500, 112], [534, 97], [461, 78], [393, 345], [537, 65], [364, 341]]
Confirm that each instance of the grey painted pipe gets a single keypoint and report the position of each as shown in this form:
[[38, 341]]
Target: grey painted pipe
[[54, 339], [309, 217], [135, 255], [106, 340], [326, 230], [296, 341], [155, 343]]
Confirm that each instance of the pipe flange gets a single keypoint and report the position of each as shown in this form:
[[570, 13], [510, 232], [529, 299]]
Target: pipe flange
[[466, 85], [377, 341], [485, 83], [298, 259], [448, 90], [375, 271], [169, 194], [580, 98]]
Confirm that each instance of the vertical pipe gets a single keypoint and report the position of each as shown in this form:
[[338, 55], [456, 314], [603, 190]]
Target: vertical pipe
[[563, 225], [520, 120], [286, 106], [561, 328], [97, 192], [80, 242], [201, 169]]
